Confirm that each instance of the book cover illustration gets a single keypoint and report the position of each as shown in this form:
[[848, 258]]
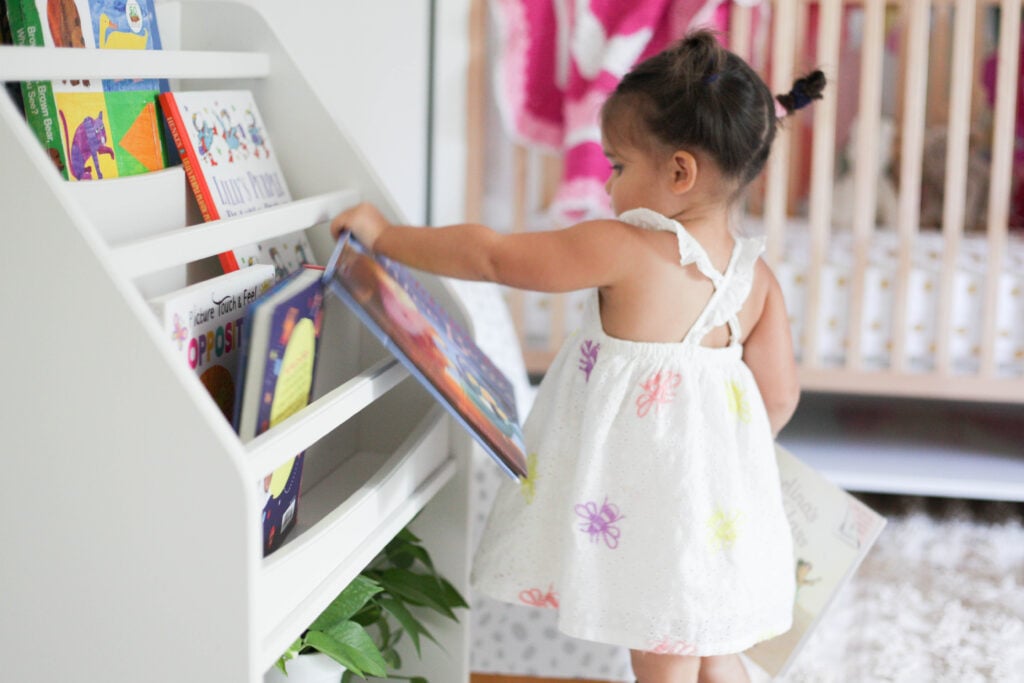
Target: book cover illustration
[[136, 122], [34, 24], [232, 169], [832, 533], [205, 322], [434, 347], [279, 359], [91, 129]]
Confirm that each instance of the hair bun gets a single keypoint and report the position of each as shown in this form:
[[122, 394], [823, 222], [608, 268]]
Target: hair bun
[[804, 91]]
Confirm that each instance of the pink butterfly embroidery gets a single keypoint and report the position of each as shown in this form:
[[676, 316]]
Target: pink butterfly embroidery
[[667, 646], [536, 598], [600, 522], [658, 390]]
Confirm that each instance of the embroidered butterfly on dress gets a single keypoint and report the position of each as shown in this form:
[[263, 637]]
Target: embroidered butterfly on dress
[[535, 598], [667, 646], [600, 522], [660, 389], [588, 357], [528, 486], [737, 400], [723, 529]]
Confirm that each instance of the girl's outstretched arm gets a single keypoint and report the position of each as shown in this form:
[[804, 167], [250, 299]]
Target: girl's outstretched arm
[[591, 254], [768, 352]]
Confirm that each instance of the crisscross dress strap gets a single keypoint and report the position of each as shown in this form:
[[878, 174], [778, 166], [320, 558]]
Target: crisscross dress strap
[[731, 290], [731, 287]]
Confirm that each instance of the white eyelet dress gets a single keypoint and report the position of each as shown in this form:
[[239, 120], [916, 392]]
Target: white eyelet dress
[[652, 517]]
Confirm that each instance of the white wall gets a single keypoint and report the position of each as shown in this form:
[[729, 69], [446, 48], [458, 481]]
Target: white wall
[[369, 61]]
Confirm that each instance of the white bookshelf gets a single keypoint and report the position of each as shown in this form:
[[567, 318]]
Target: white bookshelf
[[131, 545]]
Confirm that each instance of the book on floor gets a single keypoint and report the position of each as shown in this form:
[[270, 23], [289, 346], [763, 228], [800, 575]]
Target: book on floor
[[204, 322], [232, 168], [434, 347], [280, 340], [832, 533]]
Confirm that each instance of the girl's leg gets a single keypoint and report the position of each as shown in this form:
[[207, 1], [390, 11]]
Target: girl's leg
[[649, 667], [723, 669]]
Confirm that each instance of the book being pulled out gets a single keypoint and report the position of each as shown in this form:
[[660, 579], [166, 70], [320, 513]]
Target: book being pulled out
[[433, 346]]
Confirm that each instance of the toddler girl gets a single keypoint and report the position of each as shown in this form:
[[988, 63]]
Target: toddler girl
[[652, 517]]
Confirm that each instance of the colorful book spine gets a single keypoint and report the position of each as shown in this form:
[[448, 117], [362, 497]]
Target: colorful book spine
[[279, 354]]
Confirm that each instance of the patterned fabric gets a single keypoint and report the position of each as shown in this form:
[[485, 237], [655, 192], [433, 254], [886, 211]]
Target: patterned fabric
[[559, 61], [652, 517]]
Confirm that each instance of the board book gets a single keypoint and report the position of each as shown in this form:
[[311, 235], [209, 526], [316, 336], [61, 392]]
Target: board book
[[205, 321], [232, 168], [91, 128], [832, 533], [279, 352], [434, 347]]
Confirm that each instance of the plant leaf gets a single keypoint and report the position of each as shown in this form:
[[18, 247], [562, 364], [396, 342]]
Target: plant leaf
[[409, 622], [351, 646], [418, 589], [349, 601], [452, 594]]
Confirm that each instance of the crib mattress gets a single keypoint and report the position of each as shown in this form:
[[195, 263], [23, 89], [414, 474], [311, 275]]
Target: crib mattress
[[920, 325]]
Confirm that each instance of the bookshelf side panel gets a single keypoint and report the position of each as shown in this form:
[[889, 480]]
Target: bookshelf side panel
[[127, 520]]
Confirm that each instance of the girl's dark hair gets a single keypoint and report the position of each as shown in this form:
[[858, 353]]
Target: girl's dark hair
[[698, 95]]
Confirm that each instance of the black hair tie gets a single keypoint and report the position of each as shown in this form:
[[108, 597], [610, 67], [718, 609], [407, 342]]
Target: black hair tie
[[805, 90]]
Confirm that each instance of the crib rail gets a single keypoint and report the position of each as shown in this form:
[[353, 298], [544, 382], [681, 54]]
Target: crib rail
[[900, 284]]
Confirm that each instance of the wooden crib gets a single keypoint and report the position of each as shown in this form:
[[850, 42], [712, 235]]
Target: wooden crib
[[899, 284]]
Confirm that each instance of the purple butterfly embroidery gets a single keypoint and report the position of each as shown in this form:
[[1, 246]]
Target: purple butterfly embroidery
[[588, 357], [600, 522]]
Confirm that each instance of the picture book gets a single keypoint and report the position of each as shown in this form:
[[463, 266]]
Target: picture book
[[832, 532], [232, 169], [279, 350], [433, 346], [13, 88], [205, 321], [90, 128]]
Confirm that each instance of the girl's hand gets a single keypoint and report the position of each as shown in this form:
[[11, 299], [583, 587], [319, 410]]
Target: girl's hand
[[364, 220]]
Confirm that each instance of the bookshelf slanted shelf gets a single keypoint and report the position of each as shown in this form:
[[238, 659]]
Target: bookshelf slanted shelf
[[136, 499]]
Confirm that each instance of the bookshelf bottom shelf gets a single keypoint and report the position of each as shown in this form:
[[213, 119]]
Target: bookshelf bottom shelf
[[331, 543]]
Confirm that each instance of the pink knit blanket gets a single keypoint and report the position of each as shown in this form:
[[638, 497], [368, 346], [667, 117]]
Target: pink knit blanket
[[558, 62]]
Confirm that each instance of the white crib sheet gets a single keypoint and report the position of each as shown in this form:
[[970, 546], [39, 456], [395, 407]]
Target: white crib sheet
[[924, 286]]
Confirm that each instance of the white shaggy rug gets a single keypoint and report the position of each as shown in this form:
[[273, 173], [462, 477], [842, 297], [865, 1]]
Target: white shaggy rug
[[940, 598]]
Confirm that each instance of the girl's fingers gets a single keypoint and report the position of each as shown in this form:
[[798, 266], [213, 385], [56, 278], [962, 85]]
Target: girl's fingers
[[340, 222]]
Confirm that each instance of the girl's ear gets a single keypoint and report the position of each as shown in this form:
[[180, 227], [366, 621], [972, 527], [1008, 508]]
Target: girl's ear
[[684, 171]]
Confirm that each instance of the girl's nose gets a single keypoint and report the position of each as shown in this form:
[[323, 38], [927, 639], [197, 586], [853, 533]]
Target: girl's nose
[[608, 185]]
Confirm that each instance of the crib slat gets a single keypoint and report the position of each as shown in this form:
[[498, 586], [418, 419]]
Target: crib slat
[[915, 86], [476, 116], [954, 193], [865, 177], [778, 163], [1001, 173], [516, 299], [822, 164], [739, 31]]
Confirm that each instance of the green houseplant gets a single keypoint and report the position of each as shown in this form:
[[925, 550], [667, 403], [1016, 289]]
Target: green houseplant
[[362, 626]]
